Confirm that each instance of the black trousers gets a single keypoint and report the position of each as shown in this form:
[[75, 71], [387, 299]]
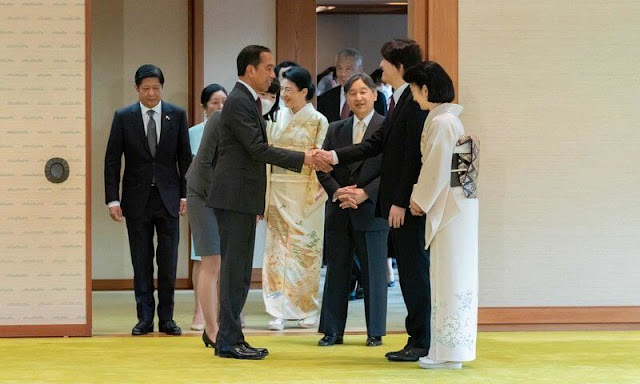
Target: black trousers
[[371, 248], [141, 232], [237, 238], [413, 271]]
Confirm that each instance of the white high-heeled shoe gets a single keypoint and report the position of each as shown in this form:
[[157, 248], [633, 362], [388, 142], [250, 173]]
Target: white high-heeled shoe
[[276, 324], [427, 363]]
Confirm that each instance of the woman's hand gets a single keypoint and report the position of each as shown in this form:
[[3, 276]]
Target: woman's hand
[[415, 209]]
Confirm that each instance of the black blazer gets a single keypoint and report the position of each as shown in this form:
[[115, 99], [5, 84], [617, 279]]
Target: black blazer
[[329, 104], [239, 180], [173, 156], [365, 174], [200, 172], [398, 139]]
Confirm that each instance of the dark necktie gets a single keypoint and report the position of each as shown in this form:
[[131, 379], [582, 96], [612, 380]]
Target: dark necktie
[[345, 110], [152, 135], [259, 105], [392, 106]]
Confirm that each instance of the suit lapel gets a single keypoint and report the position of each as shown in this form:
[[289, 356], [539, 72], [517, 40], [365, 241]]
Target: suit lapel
[[165, 124], [261, 121], [138, 126], [397, 110]]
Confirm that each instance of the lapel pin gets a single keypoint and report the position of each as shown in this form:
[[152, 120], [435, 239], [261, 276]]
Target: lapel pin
[[167, 117]]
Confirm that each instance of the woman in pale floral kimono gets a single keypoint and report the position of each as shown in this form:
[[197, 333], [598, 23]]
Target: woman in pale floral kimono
[[295, 211], [452, 223]]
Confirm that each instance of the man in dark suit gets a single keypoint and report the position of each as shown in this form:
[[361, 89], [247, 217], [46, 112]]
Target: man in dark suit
[[399, 142], [153, 136], [350, 221], [333, 103], [237, 192]]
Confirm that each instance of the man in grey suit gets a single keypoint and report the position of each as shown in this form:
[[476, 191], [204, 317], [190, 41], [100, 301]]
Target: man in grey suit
[[350, 221], [238, 191]]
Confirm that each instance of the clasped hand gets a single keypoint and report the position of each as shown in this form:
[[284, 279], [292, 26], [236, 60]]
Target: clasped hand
[[350, 196], [318, 160]]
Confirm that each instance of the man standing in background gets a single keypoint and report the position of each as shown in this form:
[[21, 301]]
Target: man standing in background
[[153, 137], [333, 103]]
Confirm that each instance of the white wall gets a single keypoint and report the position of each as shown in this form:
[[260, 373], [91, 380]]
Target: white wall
[[123, 38], [551, 88], [229, 27], [366, 33]]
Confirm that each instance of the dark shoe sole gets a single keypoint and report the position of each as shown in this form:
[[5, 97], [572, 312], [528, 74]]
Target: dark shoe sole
[[402, 359], [338, 341], [142, 333], [231, 356]]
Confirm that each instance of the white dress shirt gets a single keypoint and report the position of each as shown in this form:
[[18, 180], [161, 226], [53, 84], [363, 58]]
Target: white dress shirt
[[157, 116], [253, 92], [366, 121]]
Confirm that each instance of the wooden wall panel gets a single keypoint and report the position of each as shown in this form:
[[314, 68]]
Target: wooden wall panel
[[296, 33], [434, 25], [44, 227]]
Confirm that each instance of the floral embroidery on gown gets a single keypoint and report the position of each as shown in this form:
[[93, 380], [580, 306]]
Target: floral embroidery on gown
[[295, 221]]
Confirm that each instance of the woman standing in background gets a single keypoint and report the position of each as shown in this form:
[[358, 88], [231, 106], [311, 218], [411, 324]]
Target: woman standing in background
[[205, 239]]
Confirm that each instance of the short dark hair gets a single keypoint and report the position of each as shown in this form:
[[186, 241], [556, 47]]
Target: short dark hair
[[148, 70], [436, 79], [210, 90], [360, 76], [402, 51], [250, 55], [302, 79], [376, 76], [284, 64], [275, 89], [329, 71]]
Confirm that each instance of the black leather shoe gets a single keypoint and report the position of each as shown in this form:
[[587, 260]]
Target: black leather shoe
[[330, 339], [142, 328], [170, 328], [240, 351], [374, 341], [407, 354], [207, 341], [264, 351]]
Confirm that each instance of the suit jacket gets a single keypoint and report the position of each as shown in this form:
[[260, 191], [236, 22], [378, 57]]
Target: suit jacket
[[365, 174], [173, 156], [200, 172], [329, 104], [239, 180], [398, 139]]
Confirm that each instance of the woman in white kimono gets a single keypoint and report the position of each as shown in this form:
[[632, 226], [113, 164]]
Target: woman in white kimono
[[452, 223], [295, 211]]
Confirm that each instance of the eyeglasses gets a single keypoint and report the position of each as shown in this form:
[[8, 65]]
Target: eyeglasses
[[286, 90]]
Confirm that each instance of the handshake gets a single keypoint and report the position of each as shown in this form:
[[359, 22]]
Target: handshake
[[319, 160]]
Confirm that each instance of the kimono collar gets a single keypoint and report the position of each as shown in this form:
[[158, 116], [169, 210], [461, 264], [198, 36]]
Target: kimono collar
[[454, 109], [305, 111]]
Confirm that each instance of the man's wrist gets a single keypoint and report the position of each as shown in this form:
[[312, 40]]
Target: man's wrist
[[114, 203]]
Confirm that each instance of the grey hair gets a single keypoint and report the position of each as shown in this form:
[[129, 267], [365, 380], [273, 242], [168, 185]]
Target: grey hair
[[350, 52]]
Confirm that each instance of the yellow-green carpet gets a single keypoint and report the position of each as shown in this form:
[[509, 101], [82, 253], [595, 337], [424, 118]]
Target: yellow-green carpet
[[515, 357]]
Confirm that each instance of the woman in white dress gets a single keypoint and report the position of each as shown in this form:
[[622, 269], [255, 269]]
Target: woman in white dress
[[451, 226], [295, 210]]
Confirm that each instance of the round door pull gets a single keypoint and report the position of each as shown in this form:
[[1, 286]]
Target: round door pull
[[56, 170]]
